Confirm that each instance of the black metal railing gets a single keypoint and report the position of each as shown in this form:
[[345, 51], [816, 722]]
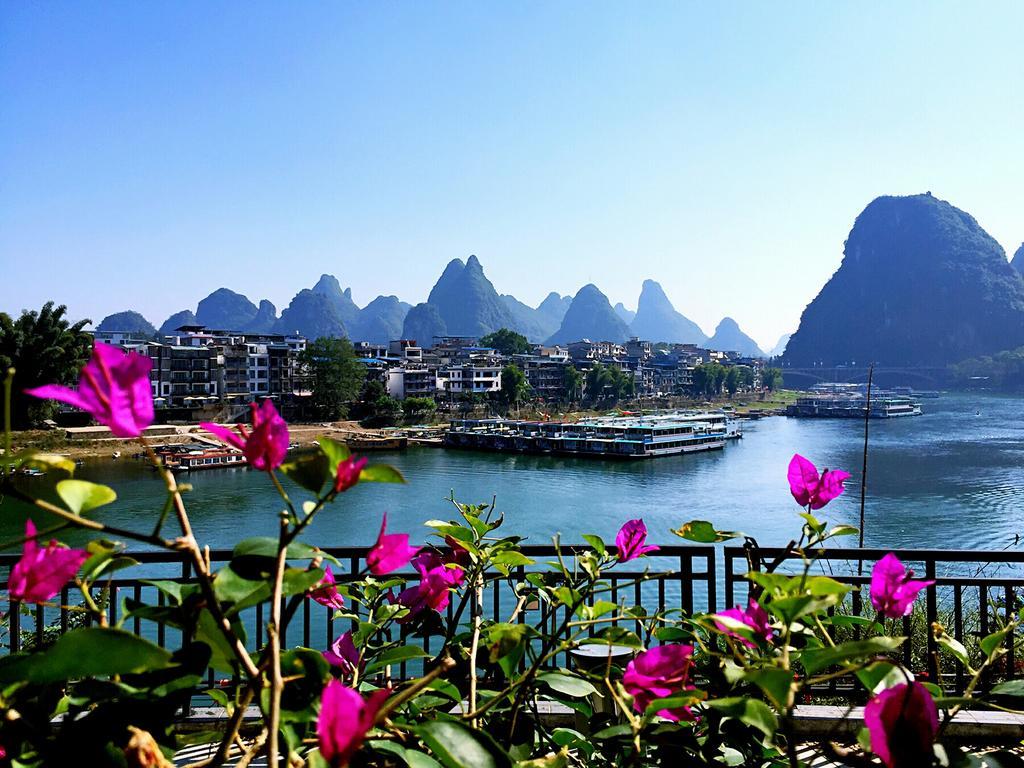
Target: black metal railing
[[973, 595], [680, 578]]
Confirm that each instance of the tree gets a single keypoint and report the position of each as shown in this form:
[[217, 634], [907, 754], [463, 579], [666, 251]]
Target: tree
[[337, 375], [43, 348], [572, 383], [608, 384], [771, 379], [418, 407], [514, 387], [507, 342], [732, 380]]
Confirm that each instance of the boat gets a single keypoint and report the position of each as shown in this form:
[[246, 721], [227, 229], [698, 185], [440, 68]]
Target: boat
[[208, 458], [617, 437], [847, 405]]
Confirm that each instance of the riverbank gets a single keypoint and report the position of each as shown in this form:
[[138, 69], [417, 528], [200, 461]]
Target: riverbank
[[57, 440]]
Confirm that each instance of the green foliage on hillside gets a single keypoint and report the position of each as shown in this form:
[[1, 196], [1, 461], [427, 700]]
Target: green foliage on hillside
[[921, 283], [1001, 371]]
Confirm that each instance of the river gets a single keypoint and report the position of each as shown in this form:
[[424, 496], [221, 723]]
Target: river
[[951, 478]]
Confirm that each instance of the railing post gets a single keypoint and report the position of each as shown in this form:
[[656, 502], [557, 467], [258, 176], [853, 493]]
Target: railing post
[[14, 626], [932, 615]]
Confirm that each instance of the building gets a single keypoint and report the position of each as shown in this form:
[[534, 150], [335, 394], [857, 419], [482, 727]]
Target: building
[[469, 379]]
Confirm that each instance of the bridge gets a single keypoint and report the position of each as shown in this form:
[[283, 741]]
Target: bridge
[[885, 376]]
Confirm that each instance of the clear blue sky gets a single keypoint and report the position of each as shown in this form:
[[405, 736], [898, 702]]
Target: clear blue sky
[[150, 152]]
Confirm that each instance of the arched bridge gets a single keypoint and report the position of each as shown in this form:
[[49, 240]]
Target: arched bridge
[[885, 376]]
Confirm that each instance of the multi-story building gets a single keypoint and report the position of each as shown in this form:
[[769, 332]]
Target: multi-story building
[[545, 375], [403, 382], [469, 378]]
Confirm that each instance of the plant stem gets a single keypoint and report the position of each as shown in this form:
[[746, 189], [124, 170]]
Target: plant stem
[[476, 609], [274, 630]]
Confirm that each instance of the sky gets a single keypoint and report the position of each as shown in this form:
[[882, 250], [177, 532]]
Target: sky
[[152, 152]]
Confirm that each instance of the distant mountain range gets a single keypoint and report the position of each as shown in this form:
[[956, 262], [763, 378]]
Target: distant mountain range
[[920, 284], [463, 302]]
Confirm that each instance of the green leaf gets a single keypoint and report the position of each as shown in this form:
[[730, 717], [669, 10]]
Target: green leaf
[[266, 546], [776, 684], [842, 530], [81, 496], [222, 657], [596, 542], [752, 712], [1009, 688], [396, 656], [704, 532], [458, 746], [335, 451], [44, 461], [815, 660], [570, 685], [991, 643], [380, 473], [955, 647], [310, 471], [86, 652]]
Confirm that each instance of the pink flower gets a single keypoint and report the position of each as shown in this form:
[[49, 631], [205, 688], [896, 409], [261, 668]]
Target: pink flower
[[113, 388], [657, 673], [631, 539], [40, 573], [892, 590], [266, 446], [754, 617], [326, 593], [391, 551], [344, 654], [345, 718], [810, 490], [903, 722], [437, 579], [347, 474]]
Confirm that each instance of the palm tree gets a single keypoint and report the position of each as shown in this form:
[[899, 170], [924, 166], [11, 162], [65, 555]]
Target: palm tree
[[43, 348]]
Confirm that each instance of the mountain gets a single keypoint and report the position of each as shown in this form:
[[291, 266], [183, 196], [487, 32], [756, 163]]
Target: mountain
[[225, 310], [467, 302], [627, 315], [534, 324], [380, 321], [920, 284], [729, 338], [312, 315], [345, 308], [264, 319], [553, 309], [178, 319], [590, 316], [780, 347], [423, 323], [657, 320], [1017, 262], [127, 322]]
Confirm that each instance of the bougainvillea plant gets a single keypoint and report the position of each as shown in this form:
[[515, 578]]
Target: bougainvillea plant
[[673, 689]]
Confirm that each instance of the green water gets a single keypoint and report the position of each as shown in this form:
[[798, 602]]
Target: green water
[[952, 478]]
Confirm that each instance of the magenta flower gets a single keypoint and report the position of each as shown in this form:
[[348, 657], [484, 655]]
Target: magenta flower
[[631, 539], [811, 490], [438, 577], [113, 388], [348, 472], [892, 590], [391, 551], [40, 573], [344, 654], [345, 718], [326, 593], [657, 673], [903, 722], [754, 617], [266, 446]]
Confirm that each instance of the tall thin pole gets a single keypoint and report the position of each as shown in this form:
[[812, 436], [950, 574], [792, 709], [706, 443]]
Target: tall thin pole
[[864, 466]]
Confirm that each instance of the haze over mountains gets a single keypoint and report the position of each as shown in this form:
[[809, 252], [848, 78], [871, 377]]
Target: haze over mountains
[[463, 302], [920, 284]]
